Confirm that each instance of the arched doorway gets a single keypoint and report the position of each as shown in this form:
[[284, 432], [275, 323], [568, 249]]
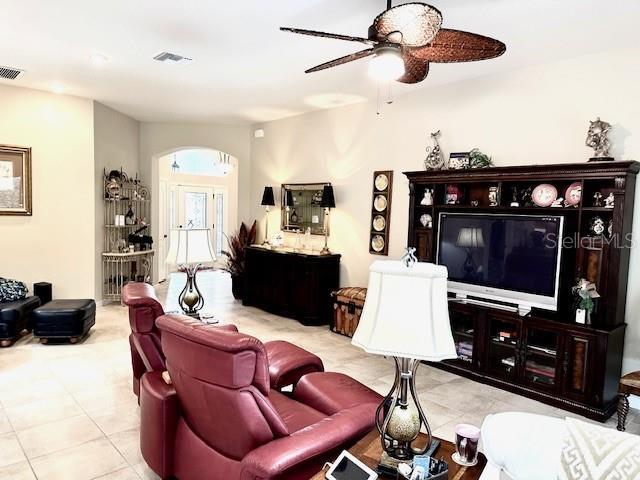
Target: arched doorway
[[198, 188]]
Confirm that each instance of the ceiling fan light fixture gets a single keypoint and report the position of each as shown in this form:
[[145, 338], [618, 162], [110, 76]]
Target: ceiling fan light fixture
[[387, 64]]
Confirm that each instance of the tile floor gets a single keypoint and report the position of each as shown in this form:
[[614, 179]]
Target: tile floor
[[68, 411]]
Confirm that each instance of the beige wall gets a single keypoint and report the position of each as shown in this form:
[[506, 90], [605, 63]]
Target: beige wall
[[116, 145], [532, 116], [57, 243], [158, 139]]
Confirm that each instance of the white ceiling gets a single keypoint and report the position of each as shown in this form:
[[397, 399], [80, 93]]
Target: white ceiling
[[247, 71]]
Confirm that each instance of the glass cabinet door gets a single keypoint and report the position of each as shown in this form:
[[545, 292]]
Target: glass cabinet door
[[463, 330], [541, 357], [504, 345]]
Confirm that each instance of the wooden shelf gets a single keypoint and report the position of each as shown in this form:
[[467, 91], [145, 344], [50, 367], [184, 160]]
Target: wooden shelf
[[129, 254]]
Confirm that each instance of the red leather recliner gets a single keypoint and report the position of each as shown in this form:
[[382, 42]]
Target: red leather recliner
[[288, 362], [220, 418]]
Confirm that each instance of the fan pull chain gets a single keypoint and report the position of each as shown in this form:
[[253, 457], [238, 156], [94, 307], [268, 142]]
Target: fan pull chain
[[388, 101]]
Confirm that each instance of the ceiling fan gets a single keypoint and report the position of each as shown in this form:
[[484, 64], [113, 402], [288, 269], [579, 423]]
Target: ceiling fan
[[405, 39]]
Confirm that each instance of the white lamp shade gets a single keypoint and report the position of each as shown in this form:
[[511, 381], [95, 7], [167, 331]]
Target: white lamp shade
[[469, 237], [190, 246], [406, 313]]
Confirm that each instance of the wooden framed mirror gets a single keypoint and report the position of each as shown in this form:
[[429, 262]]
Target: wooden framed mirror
[[300, 204]]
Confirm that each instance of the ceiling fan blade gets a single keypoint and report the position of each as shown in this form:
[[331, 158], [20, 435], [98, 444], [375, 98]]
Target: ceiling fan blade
[[336, 36], [342, 60], [417, 22], [451, 46], [416, 70]]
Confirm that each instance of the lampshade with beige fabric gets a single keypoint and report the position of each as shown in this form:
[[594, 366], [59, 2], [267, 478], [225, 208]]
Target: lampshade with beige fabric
[[405, 316]]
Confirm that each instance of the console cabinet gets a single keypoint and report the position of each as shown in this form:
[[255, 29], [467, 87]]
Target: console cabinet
[[544, 355], [291, 284]]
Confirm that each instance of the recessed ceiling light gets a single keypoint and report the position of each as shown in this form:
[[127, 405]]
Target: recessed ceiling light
[[98, 59], [58, 88]]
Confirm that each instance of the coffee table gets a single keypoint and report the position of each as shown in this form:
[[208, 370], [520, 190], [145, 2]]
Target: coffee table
[[368, 451]]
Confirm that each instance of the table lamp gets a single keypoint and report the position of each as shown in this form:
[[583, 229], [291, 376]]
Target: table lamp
[[405, 316], [328, 201], [268, 201], [190, 248], [470, 238]]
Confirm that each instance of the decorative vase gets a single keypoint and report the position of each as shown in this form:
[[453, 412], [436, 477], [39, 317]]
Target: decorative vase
[[237, 286]]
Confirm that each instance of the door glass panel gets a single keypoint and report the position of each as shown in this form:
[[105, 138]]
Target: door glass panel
[[195, 210], [219, 198], [503, 341], [463, 329], [173, 219], [541, 361]]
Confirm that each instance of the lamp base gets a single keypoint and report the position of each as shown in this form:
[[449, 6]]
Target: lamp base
[[401, 426], [190, 298]]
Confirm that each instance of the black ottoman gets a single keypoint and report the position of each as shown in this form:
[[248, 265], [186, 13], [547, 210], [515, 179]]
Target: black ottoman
[[14, 318], [70, 319]]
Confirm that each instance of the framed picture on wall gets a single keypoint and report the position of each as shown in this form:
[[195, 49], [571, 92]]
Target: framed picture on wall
[[15, 180]]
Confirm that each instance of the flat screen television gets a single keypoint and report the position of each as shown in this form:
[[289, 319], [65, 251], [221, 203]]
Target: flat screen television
[[512, 259]]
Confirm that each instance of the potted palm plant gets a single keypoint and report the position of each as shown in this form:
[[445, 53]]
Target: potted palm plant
[[235, 257]]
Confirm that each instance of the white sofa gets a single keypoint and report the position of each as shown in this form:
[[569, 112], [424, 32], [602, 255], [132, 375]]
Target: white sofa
[[522, 446]]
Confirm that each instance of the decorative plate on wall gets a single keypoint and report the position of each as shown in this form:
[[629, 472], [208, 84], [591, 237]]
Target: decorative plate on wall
[[380, 203], [381, 182], [379, 223], [380, 212], [377, 243]]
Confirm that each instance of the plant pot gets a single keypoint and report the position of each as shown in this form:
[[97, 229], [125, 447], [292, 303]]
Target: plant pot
[[237, 286]]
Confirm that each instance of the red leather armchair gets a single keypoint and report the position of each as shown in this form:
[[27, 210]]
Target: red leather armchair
[[221, 419], [287, 362]]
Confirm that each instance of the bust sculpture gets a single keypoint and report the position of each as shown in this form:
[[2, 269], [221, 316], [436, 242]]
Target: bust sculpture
[[598, 140]]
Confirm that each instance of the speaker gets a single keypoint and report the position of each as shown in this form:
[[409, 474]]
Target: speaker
[[42, 290]]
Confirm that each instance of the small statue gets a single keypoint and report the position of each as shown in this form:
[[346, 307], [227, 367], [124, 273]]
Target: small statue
[[427, 200], [610, 201], [435, 158], [514, 199], [597, 199], [597, 139], [557, 202], [527, 197]]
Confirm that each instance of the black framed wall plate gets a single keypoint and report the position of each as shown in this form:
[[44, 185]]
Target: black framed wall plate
[[379, 227]]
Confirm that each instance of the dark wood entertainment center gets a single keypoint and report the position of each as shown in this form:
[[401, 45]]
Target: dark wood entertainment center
[[544, 355]]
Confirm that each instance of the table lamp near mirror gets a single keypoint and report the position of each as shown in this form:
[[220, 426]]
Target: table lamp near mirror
[[328, 202], [406, 317], [268, 201], [190, 249]]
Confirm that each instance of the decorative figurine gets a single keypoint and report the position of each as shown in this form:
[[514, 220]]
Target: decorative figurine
[[435, 159], [494, 196], [597, 139], [597, 199], [427, 199], [596, 227], [585, 292], [426, 220], [454, 195], [527, 197], [557, 203], [514, 197], [610, 229], [610, 201], [475, 203]]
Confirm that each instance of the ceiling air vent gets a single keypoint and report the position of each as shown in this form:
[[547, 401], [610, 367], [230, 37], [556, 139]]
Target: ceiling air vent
[[10, 73], [169, 57]]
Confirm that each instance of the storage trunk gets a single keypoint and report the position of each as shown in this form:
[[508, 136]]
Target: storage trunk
[[347, 308]]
